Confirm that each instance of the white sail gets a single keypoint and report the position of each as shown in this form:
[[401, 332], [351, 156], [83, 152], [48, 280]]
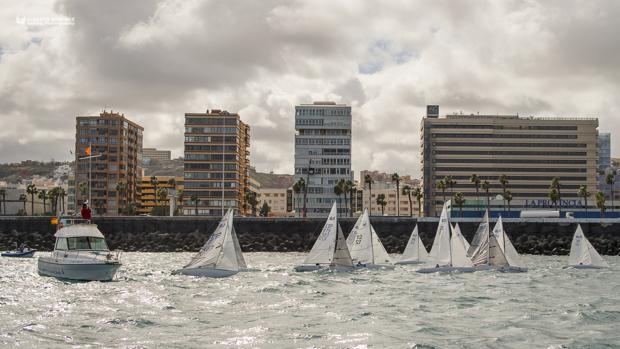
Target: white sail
[[209, 254], [458, 249], [503, 241], [228, 256], [328, 246], [440, 252], [415, 250], [583, 253], [359, 241], [341, 256], [240, 259], [457, 229], [379, 253], [480, 238]]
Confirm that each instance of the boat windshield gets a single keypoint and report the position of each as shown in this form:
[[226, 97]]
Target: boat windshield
[[82, 243]]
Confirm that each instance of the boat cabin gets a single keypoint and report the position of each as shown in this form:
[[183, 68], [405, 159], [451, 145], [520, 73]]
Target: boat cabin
[[80, 237]]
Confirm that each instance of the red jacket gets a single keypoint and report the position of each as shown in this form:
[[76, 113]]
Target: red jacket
[[86, 213]]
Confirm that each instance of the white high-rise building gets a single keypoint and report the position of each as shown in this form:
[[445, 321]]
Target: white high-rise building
[[322, 153]]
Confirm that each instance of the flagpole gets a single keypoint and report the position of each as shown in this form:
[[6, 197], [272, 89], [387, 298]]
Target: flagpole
[[90, 169]]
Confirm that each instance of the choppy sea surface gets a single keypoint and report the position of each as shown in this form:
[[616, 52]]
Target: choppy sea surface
[[275, 307]]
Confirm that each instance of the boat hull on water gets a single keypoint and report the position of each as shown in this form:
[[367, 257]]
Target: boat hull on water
[[409, 262], [322, 267], [504, 269], [447, 269], [19, 254], [104, 271], [375, 266], [584, 267], [205, 272]]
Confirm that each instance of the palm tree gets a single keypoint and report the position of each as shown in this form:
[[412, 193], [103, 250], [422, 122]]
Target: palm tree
[[610, 180], [450, 182], [3, 202], [508, 200], [121, 188], [346, 190], [296, 190], [503, 180], [42, 195], [475, 180], [52, 195], [338, 192], [252, 201], [555, 183], [585, 194], [23, 198], [301, 184], [153, 180], [162, 194], [396, 178], [459, 200], [600, 202], [441, 185], [554, 197], [195, 200], [417, 192], [352, 191], [369, 181], [32, 190], [486, 186], [83, 187], [181, 196], [381, 202], [407, 191], [62, 193]]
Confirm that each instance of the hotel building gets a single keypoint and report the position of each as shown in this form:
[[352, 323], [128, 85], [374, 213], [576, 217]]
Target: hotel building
[[530, 151], [322, 153], [116, 142], [217, 159]]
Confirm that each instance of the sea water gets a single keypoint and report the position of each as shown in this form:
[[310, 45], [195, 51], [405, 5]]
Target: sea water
[[275, 307]]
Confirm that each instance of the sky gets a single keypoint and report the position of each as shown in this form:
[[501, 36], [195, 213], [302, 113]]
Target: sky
[[156, 60]]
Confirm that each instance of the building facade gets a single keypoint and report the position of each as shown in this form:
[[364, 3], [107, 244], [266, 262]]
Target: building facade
[[277, 199], [390, 209], [149, 154], [322, 152], [216, 163], [529, 151], [115, 143], [149, 186]]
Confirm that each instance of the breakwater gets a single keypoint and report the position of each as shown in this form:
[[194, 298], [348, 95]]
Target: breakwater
[[175, 234]]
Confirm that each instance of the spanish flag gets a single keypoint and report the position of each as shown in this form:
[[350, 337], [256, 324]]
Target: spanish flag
[[87, 150]]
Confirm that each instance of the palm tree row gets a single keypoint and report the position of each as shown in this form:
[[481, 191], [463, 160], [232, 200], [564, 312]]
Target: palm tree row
[[346, 187]]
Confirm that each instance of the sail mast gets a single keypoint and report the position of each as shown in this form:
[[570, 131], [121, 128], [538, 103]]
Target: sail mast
[[488, 239], [221, 253]]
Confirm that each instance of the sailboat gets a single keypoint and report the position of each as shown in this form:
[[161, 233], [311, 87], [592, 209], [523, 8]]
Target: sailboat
[[415, 252], [449, 250], [220, 256], [330, 249], [493, 250], [582, 253], [365, 246], [457, 230]]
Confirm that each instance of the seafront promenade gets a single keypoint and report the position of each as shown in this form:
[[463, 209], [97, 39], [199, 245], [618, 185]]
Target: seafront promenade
[[176, 234]]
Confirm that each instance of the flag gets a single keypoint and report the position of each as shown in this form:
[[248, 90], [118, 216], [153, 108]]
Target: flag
[[87, 150]]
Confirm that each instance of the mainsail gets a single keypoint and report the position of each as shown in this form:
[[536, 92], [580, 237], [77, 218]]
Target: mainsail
[[458, 249], [222, 250], [457, 230], [480, 238], [440, 252], [415, 250], [330, 247], [583, 253], [503, 241], [364, 244]]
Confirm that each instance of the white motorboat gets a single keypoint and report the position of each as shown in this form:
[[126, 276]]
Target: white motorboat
[[80, 253], [330, 250], [220, 256]]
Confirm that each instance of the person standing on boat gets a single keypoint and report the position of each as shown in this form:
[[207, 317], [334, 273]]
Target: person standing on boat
[[86, 214]]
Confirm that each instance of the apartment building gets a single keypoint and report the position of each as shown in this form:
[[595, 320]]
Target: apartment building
[[172, 188], [216, 164]]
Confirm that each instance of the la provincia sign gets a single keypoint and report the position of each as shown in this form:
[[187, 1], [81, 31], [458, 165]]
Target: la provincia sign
[[574, 203]]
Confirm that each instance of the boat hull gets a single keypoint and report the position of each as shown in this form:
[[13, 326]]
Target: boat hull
[[584, 267], [78, 271], [374, 266], [447, 270], [510, 269], [408, 262], [205, 272], [18, 254], [305, 268]]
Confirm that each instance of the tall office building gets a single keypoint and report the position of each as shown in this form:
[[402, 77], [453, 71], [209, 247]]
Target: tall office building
[[115, 143], [217, 161], [530, 151], [604, 151], [322, 152]]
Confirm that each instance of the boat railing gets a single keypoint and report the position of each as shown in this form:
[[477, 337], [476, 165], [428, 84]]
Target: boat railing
[[111, 256]]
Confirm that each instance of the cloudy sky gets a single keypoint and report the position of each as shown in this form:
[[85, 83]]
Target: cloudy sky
[[156, 60]]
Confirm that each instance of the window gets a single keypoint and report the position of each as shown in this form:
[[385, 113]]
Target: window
[[79, 243], [61, 244]]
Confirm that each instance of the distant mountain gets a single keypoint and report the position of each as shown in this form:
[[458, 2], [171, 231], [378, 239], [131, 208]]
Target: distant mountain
[[172, 167], [14, 172], [272, 180]]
